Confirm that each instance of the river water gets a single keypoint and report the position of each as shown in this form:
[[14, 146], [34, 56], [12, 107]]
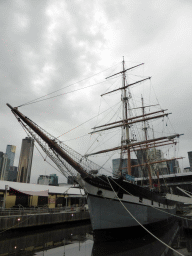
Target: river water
[[77, 240]]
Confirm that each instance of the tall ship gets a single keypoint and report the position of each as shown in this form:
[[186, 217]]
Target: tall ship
[[115, 201]]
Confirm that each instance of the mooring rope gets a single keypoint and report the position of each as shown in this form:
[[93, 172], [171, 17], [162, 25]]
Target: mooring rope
[[180, 217], [142, 225], [17, 223]]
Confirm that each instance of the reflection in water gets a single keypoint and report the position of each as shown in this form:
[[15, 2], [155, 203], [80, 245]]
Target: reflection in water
[[141, 245], [77, 240], [29, 242]]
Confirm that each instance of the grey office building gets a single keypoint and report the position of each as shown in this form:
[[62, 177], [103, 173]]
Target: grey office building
[[10, 151], [43, 179], [12, 174], [25, 160], [4, 166], [120, 167], [190, 159]]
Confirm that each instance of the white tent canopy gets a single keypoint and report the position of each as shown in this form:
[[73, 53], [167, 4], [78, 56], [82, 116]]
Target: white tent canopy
[[37, 189], [32, 193]]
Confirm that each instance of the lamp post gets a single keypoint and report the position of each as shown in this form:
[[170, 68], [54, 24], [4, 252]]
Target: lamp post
[[5, 195]]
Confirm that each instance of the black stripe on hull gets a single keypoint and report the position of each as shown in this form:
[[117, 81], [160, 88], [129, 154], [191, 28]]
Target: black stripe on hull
[[124, 201], [135, 190]]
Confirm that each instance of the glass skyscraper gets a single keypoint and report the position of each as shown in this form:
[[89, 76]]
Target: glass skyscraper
[[25, 160], [122, 164]]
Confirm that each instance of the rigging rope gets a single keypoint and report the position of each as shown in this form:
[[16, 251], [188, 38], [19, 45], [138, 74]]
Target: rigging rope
[[85, 122], [34, 101], [17, 224], [142, 225], [107, 160], [46, 160], [179, 217], [40, 152]]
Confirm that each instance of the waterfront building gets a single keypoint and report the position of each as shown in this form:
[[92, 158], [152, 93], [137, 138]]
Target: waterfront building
[[10, 151], [35, 195], [190, 159], [25, 160], [12, 174], [4, 166]]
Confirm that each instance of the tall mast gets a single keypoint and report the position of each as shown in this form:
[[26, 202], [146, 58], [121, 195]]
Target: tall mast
[[157, 171], [125, 117], [146, 151]]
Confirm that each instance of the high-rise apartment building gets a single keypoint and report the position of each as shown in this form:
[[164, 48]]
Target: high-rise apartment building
[[48, 180], [10, 151], [25, 160], [120, 167], [173, 166], [43, 179], [156, 155], [53, 180], [190, 159], [4, 166], [12, 175]]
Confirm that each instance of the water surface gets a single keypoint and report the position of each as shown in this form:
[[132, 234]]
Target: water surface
[[77, 240]]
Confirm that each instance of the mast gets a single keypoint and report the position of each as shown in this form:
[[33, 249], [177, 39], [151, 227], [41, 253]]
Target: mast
[[125, 118], [127, 145], [146, 151], [125, 141], [157, 171]]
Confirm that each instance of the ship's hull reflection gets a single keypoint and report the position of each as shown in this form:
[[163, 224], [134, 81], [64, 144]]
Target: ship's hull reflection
[[140, 244]]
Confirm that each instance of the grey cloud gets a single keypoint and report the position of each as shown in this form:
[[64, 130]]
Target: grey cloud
[[130, 28]]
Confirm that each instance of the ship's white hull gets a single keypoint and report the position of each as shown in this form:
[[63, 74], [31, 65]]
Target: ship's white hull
[[107, 212]]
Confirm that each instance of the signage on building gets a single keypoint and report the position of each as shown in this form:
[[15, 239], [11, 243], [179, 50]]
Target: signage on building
[[51, 200]]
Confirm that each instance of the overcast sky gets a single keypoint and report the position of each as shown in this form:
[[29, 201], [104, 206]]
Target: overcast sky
[[47, 45]]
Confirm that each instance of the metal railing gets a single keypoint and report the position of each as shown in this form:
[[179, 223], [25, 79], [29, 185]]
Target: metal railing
[[38, 210]]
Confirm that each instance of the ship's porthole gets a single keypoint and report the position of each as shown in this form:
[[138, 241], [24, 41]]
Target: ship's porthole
[[99, 192]]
